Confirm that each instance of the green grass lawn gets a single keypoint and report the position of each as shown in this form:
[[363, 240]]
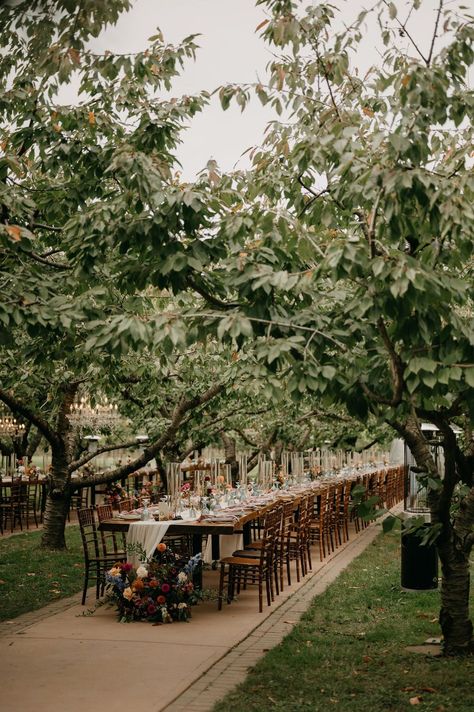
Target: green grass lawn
[[348, 652], [31, 577]]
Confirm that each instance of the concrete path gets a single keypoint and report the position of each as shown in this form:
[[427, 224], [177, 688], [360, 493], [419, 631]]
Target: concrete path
[[60, 660]]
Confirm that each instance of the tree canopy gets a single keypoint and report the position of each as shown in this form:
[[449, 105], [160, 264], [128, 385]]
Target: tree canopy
[[337, 271]]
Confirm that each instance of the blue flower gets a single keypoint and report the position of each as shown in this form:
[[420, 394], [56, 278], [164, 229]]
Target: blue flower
[[192, 564]]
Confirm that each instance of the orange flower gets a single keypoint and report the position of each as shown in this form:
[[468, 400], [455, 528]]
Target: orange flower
[[161, 600], [138, 585], [161, 547], [153, 583]]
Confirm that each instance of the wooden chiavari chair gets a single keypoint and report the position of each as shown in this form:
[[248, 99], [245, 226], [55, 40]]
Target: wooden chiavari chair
[[318, 523], [240, 571], [112, 543], [96, 563]]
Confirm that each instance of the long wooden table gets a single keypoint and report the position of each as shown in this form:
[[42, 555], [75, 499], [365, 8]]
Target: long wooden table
[[196, 530], [241, 525]]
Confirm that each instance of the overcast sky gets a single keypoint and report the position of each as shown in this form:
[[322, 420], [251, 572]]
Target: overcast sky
[[231, 51]]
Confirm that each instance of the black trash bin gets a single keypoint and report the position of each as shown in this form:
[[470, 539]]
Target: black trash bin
[[419, 569]]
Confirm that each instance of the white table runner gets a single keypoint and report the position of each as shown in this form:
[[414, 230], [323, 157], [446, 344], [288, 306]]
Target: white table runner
[[149, 534], [228, 543]]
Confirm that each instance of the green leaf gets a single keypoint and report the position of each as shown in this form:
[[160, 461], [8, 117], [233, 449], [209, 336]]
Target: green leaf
[[388, 524]]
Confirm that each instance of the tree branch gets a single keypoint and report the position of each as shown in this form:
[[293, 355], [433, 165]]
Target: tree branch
[[80, 462], [313, 193], [52, 228], [214, 301], [396, 365], [17, 406], [323, 414], [403, 27], [153, 449], [435, 33], [244, 437], [43, 261]]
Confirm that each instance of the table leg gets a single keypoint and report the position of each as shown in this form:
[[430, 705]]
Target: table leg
[[216, 554], [247, 533]]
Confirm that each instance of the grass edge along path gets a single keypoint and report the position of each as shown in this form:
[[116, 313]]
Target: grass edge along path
[[31, 577], [348, 652]]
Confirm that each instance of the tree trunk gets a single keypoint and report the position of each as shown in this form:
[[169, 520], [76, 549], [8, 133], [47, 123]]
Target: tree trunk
[[162, 473], [230, 456], [57, 502], [455, 585], [33, 444], [454, 542]]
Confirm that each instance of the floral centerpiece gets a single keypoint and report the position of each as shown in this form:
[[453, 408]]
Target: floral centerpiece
[[115, 493], [159, 591]]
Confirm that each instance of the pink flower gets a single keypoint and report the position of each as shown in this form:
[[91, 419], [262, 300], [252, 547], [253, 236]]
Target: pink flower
[[127, 567], [165, 588], [185, 487], [151, 609]]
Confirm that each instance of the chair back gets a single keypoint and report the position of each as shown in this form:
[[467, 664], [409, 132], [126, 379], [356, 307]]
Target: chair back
[[287, 521], [18, 492], [108, 539], [33, 489], [104, 511], [271, 535], [89, 533], [125, 505], [306, 509]]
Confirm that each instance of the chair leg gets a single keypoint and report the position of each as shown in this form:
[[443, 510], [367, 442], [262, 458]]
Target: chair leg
[[288, 571], [221, 587], [234, 578], [86, 581], [277, 580], [304, 559], [297, 559], [97, 583]]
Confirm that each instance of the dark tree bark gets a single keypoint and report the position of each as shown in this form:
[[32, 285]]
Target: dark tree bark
[[230, 455], [33, 443], [456, 537], [58, 499]]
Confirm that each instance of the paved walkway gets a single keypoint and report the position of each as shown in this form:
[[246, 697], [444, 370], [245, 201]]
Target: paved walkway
[[60, 660]]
